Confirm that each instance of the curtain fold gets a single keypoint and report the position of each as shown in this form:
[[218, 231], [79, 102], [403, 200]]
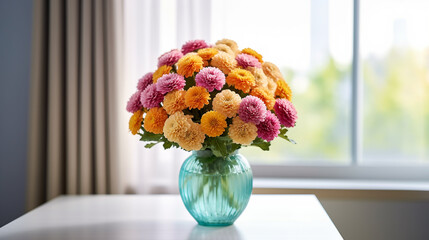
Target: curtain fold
[[74, 90]]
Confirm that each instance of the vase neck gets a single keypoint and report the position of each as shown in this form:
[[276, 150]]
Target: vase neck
[[208, 153]]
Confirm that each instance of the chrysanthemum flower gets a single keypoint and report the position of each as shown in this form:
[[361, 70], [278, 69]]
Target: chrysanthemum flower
[[227, 103], [174, 101], [224, 48], [253, 53], [230, 43], [160, 72], [170, 58], [213, 123], [134, 104], [207, 53], [211, 78], [283, 90], [192, 139], [150, 97], [269, 128], [225, 62], [252, 109], [176, 125], [265, 95], [246, 60], [189, 64], [170, 82], [241, 79], [241, 132], [286, 112], [154, 120], [197, 97], [272, 85], [271, 71], [260, 78], [136, 121], [145, 81], [193, 45]]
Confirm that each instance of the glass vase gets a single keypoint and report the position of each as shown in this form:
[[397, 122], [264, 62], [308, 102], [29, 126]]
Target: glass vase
[[215, 190]]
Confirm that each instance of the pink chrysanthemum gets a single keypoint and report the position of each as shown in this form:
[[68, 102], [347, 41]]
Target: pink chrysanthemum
[[252, 109], [286, 112], [269, 128], [170, 58], [170, 82], [150, 97], [134, 104], [246, 60], [193, 45], [210, 78], [145, 81]]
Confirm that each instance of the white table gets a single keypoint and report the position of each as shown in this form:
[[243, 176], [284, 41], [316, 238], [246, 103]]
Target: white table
[[165, 217]]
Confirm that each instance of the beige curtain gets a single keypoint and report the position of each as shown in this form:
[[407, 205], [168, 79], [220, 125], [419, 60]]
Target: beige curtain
[[73, 108]]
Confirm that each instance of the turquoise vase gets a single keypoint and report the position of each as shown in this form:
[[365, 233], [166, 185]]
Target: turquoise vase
[[215, 190]]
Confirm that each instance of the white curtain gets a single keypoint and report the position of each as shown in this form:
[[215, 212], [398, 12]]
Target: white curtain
[[153, 27]]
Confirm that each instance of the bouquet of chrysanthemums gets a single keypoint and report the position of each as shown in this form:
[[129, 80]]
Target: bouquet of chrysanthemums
[[214, 97]]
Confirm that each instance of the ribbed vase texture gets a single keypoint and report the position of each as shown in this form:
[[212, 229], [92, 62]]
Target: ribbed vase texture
[[215, 190]]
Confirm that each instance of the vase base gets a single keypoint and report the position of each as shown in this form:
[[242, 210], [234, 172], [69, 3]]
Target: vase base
[[211, 224]]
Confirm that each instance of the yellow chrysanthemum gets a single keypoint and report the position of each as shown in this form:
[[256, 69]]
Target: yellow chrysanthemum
[[213, 123], [164, 69], [241, 132], [189, 64], [265, 95], [136, 121], [192, 139], [260, 78], [174, 101], [283, 90], [253, 53], [230, 43], [154, 120], [207, 53], [224, 48], [176, 126], [227, 103], [271, 71], [241, 79], [225, 62], [197, 97]]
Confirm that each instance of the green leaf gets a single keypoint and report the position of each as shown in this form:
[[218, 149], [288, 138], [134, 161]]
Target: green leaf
[[150, 145], [264, 145], [150, 137], [283, 135]]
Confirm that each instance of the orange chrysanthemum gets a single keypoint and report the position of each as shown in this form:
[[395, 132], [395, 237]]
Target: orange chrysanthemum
[[176, 126], [224, 61], [197, 97], [260, 78], [241, 79], [189, 64], [230, 43], [154, 120], [207, 53], [136, 121], [192, 138], [174, 101], [283, 90], [241, 132], [213, 123], [271, 71], [161, 71], [227, 103], [272, 85], [225, 48], [253, 53], [265, 95]]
